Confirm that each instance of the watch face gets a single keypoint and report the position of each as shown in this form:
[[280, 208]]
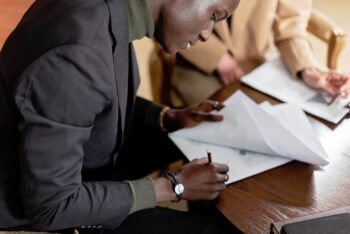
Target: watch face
[[179, 189]]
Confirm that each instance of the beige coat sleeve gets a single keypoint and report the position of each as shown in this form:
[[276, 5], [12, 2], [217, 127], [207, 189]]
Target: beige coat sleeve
[[205, 56], [290, 31]]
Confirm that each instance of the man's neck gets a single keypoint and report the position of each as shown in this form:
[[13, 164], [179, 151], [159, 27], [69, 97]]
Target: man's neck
[[155, 8]]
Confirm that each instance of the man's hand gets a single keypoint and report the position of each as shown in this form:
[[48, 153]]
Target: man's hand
[[331, 82], [228, 69], [203, 180], [175, 119]]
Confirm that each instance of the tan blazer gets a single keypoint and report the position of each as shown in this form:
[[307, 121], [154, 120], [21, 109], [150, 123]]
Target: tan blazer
[[256, 26]]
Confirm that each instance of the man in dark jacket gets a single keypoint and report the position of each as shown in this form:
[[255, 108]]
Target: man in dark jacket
[[74, 139]]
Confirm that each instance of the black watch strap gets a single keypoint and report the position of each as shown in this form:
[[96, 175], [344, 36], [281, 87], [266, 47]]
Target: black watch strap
[[174, 182]]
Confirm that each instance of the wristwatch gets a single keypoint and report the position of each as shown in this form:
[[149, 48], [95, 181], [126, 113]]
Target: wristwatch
[[178, 187]]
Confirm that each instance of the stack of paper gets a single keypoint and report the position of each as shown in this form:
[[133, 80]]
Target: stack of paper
[[252, 139], [274, 79]]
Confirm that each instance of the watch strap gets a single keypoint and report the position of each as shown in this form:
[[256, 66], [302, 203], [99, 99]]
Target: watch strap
[[174, 181]]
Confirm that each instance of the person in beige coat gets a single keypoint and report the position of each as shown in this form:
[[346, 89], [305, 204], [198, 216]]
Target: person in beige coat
[[257, 31]]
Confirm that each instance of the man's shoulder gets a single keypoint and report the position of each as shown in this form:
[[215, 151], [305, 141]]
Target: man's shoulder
[[52, 23], [66, 21]]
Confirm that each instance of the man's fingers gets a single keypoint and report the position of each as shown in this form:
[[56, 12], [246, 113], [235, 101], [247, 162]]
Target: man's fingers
[[332, 75], [221, 168], [234, 76], [238, 74], [203, 160], [338, 85], [204, 116], [346, 87], [337, 82], [226, 80], [218, 187], [224, 178], [212, 105], [336, 78], [331, 91]]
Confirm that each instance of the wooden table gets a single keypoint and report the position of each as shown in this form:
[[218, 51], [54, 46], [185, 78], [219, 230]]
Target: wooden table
[[293, 190]]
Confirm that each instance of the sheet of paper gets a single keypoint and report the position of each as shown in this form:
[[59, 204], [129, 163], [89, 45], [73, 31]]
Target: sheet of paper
[[237, 130], [247, 126], [274, 79], [293, 119], [242, 163], [287, 136]]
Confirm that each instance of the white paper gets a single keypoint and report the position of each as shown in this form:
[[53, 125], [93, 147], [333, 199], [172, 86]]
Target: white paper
[[270, 135], [248, 126], [237, 130], [274, 79], [242, 163]]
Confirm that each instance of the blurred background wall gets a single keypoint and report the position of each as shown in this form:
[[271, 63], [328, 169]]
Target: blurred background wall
[[12, 10]]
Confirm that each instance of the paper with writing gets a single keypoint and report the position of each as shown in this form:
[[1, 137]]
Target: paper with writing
[[274, 79], [269, 136]]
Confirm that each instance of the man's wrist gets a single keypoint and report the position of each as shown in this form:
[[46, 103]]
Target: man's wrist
[[304, 73], [177, 185], [162, 124], [167, 120], [164, 190]]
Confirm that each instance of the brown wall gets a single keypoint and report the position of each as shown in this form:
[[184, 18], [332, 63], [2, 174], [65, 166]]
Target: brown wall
[[11, 12]]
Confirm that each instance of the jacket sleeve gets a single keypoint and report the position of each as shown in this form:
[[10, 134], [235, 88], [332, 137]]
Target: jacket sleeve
[[146, 113], [290, 31], [58, 97], [206, 56]]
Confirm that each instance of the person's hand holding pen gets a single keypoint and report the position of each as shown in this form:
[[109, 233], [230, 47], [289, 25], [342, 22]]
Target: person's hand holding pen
[[334, 83], [202, 179], [174, 119]]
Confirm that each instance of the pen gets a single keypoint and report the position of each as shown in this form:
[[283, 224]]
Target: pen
[[209, 155], [336, 98]]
